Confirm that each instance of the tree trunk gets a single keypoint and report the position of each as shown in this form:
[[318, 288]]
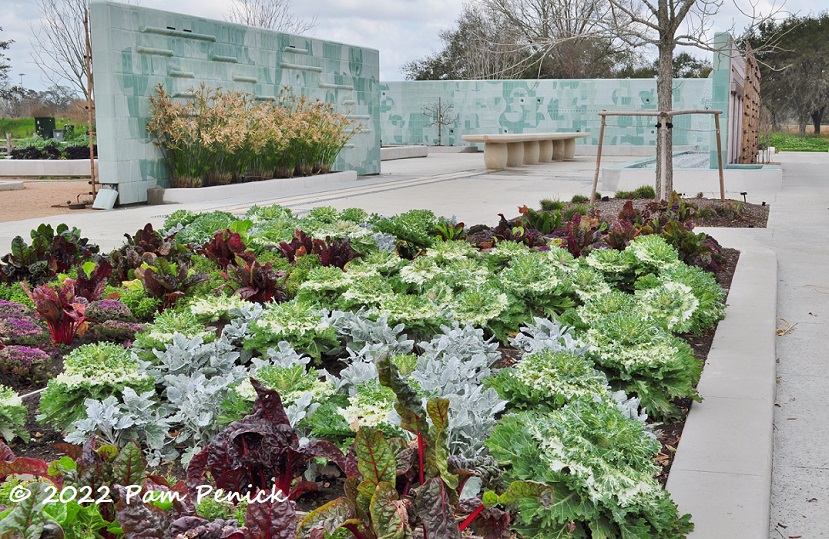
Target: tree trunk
[[802, 120], [664, 98], [817, 116]]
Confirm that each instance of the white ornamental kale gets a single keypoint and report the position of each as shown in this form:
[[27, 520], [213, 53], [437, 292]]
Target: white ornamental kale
[[214, 308], [651, 253], [670, 304], [588, 283], [479, 304], [547, 334]]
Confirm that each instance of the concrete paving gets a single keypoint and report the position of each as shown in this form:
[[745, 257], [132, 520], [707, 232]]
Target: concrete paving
[[723, 464]]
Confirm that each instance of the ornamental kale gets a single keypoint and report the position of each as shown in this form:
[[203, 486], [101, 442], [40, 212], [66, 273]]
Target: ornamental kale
[[305, 327], [599, 464], [23, 361], [12, 415], [22, 329], [644, 360], [548, 379], [92, 371]]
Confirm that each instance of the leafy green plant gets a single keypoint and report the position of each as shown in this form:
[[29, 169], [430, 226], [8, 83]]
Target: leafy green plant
[[548, 380], [60, 308], [12, 415], [92, 371], [644, 360], [579, 199], [52, 251], [599, 465], [303, 326]]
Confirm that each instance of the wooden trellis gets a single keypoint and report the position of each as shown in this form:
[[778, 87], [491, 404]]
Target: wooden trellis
[[749, 144]]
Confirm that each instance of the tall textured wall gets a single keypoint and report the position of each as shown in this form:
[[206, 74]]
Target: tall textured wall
[[136, 48], [526, 106]]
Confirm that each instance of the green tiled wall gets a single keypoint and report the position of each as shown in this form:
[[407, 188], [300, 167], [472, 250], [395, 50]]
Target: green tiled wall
[[136, 48], [519, 106]]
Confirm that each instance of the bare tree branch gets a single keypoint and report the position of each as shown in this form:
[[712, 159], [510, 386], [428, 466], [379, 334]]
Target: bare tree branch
[[271, 14]]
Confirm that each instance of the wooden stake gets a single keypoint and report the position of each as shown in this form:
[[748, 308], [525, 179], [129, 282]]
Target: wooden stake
[[90, 104], [598, 158], [719, 154]]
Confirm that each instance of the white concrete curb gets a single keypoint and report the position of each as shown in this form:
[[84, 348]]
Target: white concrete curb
[[722, 471], [403, 152], [264, 190], [21, 168]]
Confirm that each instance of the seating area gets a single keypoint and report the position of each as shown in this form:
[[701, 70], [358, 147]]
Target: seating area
[[516, 149]]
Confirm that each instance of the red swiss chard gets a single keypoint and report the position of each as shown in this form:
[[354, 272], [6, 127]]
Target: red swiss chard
[[256, 282], [225, 248], [62, 310], [260, 452]]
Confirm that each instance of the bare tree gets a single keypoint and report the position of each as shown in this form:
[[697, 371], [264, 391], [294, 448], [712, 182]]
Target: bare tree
[[59, 47], [559, 28], [483, 46], [271, 14], [441, 116], [666, 24], [565, 38]]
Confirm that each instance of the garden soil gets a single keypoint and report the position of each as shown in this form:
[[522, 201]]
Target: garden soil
[[42, 198]]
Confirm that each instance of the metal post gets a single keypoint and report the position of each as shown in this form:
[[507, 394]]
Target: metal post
[[719, 155], [9, 143], [598, 158]]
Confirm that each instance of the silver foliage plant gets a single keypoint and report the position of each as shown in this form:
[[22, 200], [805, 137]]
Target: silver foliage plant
[[453, 365], [547, 334]]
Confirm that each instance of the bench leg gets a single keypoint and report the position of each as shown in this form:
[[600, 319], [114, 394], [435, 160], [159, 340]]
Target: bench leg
[[515, 154], [558, 150], [545, 151], [531, 151], [569, 148], [495, 156]]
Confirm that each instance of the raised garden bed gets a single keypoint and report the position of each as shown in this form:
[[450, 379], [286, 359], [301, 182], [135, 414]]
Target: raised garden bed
[[496, 280]]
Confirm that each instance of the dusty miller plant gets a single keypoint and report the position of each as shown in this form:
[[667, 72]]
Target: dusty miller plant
[[453, 365], [547, 334]]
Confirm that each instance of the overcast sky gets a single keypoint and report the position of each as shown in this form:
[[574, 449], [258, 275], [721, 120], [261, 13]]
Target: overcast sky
[[402, 30]]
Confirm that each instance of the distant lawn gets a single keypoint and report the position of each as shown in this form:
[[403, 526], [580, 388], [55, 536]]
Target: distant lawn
[[793, 143], [24, 127]]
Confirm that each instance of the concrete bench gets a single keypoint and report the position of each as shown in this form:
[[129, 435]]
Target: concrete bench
[[516, 149]]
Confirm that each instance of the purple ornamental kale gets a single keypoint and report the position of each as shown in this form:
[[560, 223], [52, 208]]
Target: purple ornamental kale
[[12, 308], [108, 309], [22, 360], [22, 330]]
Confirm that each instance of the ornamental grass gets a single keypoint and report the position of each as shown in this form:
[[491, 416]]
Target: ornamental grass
[[218, 137]]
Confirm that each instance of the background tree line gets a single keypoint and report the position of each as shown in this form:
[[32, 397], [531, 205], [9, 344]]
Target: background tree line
[[795, 71]]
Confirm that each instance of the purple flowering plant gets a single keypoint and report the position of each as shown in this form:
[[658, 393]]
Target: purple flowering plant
[[23, 360]]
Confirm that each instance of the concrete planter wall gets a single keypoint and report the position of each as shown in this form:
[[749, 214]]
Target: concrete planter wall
[[26, 168]]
